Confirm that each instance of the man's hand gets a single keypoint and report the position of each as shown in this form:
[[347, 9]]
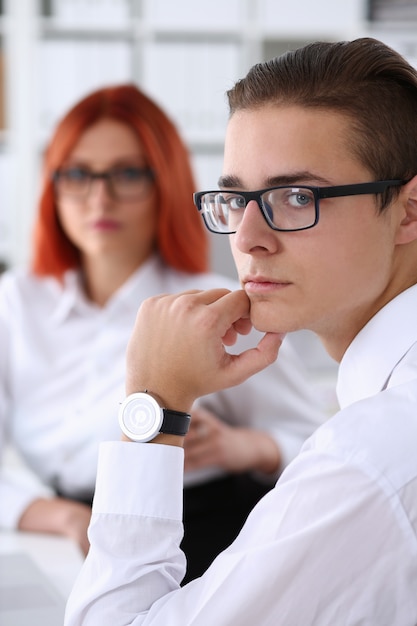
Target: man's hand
[[177, 349]]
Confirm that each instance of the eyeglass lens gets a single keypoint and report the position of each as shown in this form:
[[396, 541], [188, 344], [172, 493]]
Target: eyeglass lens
[[128, 182], [285, 208]]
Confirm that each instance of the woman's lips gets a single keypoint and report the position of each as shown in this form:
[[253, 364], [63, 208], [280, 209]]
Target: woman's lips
[[105, 225]]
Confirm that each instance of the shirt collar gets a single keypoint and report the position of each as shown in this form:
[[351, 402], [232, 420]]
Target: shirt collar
[[143, 283], [73, 299], [371, 357]]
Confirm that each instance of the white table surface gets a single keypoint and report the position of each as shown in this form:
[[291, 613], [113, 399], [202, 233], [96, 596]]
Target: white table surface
[[59, 558]]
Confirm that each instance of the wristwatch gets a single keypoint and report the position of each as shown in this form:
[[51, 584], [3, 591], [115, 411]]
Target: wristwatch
[[141, 418]]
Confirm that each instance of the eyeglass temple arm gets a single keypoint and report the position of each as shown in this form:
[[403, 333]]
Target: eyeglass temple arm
[[359, 188]]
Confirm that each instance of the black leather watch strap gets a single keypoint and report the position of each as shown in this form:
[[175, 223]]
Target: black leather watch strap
[[175, 422]]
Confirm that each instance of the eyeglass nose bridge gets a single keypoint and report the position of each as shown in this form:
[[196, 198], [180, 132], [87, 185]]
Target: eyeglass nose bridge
[[264, 207], [106, 178], [100, 176]]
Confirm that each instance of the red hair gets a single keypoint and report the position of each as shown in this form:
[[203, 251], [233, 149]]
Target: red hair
[[181, 241]]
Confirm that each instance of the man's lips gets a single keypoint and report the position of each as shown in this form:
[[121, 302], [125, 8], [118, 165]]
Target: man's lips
[[261, 284]]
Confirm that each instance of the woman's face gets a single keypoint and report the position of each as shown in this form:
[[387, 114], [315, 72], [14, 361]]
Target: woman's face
[[116, 217]]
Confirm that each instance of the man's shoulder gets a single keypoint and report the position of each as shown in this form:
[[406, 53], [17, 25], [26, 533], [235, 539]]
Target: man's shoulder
[[377, 434]]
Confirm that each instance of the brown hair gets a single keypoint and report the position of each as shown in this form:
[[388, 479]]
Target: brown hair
[[181, 237], [364, 79]]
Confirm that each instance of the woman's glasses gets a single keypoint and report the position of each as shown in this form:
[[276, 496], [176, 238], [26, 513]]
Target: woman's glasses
[[123, 183]]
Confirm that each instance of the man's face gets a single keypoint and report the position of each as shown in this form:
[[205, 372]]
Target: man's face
[[333, 277]]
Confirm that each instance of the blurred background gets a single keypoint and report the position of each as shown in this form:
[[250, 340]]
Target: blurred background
[[184, 53]]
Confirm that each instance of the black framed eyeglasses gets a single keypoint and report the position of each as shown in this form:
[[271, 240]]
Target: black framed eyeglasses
[[285, 208], [123, 183]]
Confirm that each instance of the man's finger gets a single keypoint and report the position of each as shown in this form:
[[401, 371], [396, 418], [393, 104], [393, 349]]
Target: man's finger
[[252, 361]]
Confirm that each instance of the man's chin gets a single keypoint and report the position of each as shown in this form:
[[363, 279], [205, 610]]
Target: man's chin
[[269, 319]]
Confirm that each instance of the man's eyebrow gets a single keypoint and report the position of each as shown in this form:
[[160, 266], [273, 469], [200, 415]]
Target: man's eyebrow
[[296, 178], [229, 182]]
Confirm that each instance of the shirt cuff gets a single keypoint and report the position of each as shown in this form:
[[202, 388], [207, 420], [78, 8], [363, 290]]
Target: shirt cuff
[[143, 479]]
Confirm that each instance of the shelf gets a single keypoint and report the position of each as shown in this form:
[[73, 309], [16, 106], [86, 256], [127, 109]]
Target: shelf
[[49, 28]]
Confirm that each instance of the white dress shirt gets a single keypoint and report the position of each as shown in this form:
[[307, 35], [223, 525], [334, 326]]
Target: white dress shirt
[[62, 373], [334, 543]]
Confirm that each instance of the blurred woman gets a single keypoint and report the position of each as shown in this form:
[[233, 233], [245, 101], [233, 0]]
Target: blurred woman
[[116, 224]]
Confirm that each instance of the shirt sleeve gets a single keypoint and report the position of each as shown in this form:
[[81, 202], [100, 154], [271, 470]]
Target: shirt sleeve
[[305, 556], [4, 356], [18, 486]]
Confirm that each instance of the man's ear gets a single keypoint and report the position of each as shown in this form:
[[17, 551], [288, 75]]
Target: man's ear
[[407, 228]]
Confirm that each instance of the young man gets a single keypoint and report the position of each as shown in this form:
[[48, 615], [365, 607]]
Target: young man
[[328, 134]]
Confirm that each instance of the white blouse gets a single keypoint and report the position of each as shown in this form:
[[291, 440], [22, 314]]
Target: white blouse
[[62, 369]]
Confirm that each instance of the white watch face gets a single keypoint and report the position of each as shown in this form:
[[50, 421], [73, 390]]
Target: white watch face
[[140, 417]]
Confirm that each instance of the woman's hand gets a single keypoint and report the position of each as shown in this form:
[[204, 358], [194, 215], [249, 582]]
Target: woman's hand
[[58, 516], [212, 442]]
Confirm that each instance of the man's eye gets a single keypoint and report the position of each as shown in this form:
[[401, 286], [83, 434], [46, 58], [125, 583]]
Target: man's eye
[[234, 202], [300, 199]]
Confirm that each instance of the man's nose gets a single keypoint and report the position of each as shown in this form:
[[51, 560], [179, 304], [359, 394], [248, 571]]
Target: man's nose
[[254, 233], [252, 214]]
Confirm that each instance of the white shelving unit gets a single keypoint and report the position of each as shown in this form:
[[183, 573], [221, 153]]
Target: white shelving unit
[[184, 53]]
